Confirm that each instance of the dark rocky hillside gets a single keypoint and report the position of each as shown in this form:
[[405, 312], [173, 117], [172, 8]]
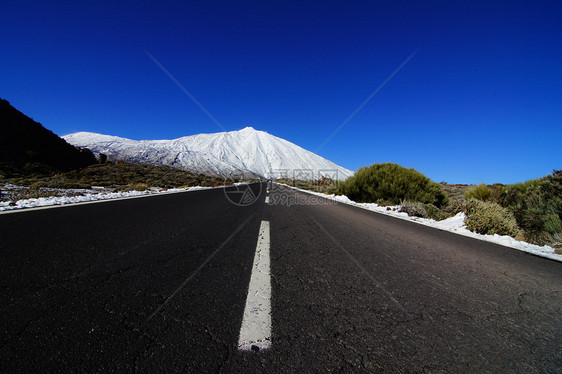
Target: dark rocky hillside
[[28, 148]]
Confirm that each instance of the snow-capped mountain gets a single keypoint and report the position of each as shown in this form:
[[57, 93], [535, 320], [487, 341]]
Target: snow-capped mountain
[[247, 151]]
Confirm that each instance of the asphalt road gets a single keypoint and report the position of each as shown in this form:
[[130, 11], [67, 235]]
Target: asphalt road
[[159, 284]]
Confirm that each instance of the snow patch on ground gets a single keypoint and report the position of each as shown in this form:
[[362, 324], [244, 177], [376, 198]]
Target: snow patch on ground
[[454, 224], [90, 195]]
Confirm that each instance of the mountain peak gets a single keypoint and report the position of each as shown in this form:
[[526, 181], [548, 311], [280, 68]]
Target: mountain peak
[[247, 151]]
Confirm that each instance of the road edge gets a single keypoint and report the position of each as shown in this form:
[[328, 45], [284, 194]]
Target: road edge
[[71, 204], [549, 256]]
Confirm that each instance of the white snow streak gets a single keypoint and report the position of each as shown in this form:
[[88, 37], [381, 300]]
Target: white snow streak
[[93, 196]]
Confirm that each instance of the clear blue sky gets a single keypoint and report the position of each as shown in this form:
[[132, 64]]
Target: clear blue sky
[[480, 101]]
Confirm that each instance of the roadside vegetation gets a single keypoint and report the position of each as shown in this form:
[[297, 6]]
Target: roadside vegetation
[[118, 176], [490, 218], [323, 185], [529, 211], [391, 184]]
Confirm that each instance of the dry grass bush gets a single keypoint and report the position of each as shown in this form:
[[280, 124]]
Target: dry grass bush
[[118, 176], [537, 206], [490, 218], [24, 193], [414, 209], [417, 209], [121, 174], [480, 192]]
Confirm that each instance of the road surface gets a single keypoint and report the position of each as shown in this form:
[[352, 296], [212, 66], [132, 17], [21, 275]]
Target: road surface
[[160, 284]]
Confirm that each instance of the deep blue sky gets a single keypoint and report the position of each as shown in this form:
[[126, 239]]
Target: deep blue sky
[[480, 101]]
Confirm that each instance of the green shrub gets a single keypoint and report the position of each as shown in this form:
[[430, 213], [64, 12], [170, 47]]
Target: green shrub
[[480, 192], [490, 218], [496, 192], [552, 223], [392, 183], [435, 213], [328, 191], [537, 207]]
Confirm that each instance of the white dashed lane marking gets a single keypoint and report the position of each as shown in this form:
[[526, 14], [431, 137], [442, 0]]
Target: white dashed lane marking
[[255, 332]]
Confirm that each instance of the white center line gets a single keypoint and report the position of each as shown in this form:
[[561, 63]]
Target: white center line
[[255, 332], [267, 199]]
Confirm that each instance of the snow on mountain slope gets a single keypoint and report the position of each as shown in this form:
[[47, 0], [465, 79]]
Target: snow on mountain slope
[[248, 151]]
